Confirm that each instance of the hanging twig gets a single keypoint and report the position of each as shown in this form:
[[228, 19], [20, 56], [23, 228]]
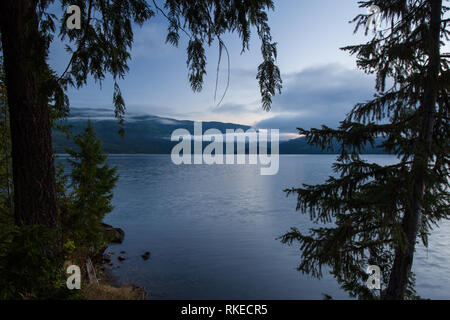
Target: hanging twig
[[222, 45]]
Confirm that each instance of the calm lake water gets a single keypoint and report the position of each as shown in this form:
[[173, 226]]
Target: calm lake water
[[212, 231]]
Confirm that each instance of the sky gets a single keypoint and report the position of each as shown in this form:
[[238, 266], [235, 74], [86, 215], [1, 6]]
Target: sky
[[320, 82]]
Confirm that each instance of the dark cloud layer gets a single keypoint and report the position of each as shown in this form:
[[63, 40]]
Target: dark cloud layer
[[316, 96], [91, 113]]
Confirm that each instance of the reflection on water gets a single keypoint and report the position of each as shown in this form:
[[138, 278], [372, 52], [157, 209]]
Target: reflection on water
[[212, 231]]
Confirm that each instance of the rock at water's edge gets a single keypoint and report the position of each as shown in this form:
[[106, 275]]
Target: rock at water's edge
[[146, 256], [117, 234]]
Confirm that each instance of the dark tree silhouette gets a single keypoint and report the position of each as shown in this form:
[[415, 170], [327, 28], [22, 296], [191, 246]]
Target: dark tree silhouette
[[378, 212], [92, 184]]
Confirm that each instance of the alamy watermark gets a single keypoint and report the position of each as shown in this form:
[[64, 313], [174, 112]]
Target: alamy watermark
[[74, 18], [374, 280], [236, 143], [74, 280]]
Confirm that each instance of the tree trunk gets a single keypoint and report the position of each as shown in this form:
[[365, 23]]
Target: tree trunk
[[413, 216], [25, 54]]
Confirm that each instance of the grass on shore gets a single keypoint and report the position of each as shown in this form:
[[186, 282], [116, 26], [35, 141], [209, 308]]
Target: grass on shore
[[94, 291]]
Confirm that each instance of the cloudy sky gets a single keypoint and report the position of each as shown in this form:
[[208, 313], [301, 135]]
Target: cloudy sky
[[321, 83]]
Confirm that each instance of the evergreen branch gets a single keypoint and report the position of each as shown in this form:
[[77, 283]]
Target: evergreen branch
[[81, 46]]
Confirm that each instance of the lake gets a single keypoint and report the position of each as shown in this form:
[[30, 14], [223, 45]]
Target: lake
[[212, 231]]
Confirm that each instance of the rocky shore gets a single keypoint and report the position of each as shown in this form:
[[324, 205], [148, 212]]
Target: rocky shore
[[100, 286]]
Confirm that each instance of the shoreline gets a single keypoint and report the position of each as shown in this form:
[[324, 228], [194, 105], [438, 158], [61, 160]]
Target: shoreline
[[102, 285]]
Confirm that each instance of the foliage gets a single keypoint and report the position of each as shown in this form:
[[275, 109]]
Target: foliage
[[37, 271], [37, 252], [365, 212], [92, 182], [30, 249]]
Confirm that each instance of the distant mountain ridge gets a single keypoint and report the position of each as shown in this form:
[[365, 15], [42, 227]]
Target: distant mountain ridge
[[148, 134]]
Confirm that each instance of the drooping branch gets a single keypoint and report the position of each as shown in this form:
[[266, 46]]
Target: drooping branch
[[82, 43]]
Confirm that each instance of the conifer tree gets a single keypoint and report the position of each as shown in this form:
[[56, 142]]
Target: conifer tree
[[92, 182], [30, 249], [373, 214]]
